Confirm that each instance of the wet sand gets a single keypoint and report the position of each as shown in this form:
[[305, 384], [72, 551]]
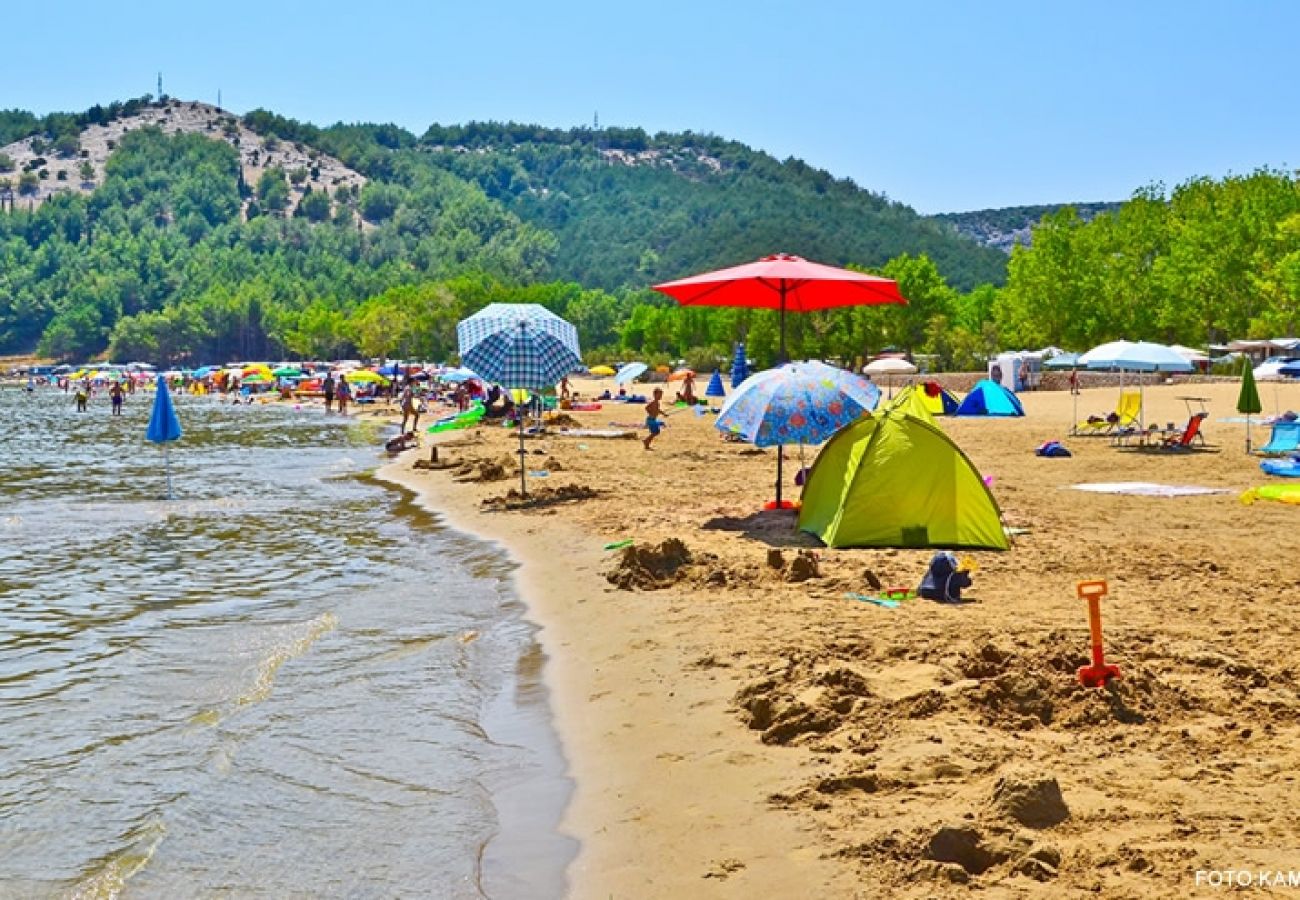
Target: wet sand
[[733, 732]]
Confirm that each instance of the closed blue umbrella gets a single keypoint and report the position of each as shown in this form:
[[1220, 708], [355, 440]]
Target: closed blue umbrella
[[715, 388], [797, 403], [739, 367], [163, 427]]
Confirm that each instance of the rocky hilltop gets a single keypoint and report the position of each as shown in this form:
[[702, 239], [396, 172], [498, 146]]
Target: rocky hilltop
[[62, 167]]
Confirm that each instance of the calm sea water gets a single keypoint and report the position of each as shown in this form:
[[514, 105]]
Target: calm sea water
[[288, 681]]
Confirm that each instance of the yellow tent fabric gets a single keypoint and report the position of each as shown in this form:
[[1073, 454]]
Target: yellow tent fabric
[[913, 402], [603, 371], [891, 479]]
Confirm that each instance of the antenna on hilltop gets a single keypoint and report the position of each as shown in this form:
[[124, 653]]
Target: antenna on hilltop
[[218, 98], [595, 121], [160, 93]]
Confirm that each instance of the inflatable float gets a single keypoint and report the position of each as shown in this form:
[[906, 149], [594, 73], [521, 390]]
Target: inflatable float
[[466, 419], [1287, 468], [1281, 493]]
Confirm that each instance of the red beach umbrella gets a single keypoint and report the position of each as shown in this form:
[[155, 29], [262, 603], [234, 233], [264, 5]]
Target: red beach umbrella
[[783, 282], [786, 283]]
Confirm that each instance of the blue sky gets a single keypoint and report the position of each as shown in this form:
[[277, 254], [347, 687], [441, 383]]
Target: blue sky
[[941, 105]]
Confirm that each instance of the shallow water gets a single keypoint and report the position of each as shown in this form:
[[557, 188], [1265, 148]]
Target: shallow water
[[289, 680]]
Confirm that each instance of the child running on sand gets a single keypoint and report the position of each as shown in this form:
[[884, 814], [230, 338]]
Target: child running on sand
[[653, 410]]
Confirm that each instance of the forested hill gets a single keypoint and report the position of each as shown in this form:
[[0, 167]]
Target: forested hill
[[629, 208], [1004, 228]]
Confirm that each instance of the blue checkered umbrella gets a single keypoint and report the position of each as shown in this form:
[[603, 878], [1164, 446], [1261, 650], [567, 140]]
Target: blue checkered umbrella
[[519, 345]]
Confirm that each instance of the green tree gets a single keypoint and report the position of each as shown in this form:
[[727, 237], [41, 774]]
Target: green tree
[[273, 190], [315, 206]]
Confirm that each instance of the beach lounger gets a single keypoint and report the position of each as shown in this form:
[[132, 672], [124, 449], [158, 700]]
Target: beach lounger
[[1125, 416], [1284, 439]]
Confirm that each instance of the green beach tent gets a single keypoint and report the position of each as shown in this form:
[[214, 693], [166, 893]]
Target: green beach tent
[[891, 479], [930, 396]]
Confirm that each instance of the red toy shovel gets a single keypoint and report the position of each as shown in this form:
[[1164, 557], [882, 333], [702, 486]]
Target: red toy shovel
[[1097, 674]]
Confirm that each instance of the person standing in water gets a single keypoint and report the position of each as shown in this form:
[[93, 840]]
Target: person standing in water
[[328, 387], [83, 396], [118, 396], [410, 407], [343, 393]]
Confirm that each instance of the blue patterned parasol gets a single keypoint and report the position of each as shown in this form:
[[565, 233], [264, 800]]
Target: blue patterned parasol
[[797, 403], [519, 345]]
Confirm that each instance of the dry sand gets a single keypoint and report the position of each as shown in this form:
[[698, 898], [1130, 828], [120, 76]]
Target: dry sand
[[734, 733]]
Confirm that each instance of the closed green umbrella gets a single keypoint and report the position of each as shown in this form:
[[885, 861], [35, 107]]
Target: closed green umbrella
[[1248, 399]]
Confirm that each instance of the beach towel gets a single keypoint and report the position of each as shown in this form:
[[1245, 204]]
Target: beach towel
[[1148, 489]]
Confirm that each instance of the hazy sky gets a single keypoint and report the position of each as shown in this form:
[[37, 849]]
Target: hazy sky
[[943, 106]]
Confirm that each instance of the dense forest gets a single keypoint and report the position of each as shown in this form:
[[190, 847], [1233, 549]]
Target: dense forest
[[175, 258]]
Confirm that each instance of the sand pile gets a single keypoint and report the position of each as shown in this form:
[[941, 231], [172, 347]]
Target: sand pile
[[498, 468], [540, 497]]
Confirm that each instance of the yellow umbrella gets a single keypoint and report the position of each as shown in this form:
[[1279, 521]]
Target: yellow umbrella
[[360, 375], [259, 369], [602, 370], [520, 396]]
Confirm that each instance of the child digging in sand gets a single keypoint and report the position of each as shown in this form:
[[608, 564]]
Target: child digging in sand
[[653, 410]]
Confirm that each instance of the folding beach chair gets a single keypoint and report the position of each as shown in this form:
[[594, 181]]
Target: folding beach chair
[[1183, 441], [1284, 439]]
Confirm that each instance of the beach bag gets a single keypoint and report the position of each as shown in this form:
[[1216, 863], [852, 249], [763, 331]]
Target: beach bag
[[1052, 448], [944, 581]]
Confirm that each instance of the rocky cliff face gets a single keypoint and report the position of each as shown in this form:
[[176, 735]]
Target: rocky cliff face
[[1006, 227]]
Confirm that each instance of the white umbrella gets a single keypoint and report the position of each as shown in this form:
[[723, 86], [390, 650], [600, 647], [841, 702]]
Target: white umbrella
[[630, 372], [1135, 356], [889, 366]]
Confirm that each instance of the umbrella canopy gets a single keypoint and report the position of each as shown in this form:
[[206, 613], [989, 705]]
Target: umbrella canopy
[[1063, 361], [602, 371], [681, 375], [287, 372], [803, 402], [630, 372], [455, 376], [519, 345], [1139, 356], [163, 424], [257, 378], [785, 283], [364, 376], [889, 366]]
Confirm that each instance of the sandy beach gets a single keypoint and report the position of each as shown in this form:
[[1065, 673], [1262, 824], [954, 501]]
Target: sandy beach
[[738, 730]]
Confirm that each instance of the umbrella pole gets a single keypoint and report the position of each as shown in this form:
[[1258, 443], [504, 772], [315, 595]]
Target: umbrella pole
[[167, 466], [781, 355], [523, 469], [780, 457]]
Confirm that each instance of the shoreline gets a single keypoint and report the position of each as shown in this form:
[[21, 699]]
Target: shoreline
[[663, 803], [736, 727]]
